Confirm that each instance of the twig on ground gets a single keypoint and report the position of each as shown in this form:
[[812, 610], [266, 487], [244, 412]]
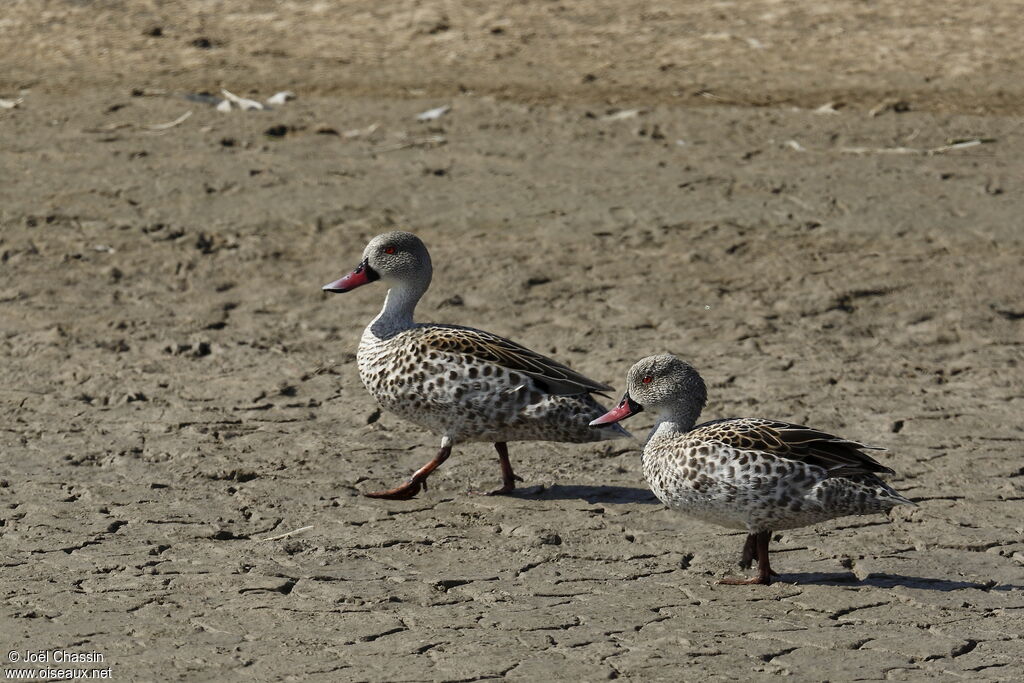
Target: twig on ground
[[286, 535], [169, 124], [956, 144], [419, 142]]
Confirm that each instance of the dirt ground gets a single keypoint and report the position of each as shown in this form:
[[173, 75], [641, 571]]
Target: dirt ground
[[818, 204]]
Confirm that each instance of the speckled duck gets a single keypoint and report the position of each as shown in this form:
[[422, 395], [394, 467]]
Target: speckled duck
[[461, 383], [746, 473]]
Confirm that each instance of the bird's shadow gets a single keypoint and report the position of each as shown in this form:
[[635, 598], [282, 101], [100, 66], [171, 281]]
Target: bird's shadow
[[619, 495], [891, 581]]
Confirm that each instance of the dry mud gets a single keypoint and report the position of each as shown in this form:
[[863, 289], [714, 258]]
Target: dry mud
[[176, 390]]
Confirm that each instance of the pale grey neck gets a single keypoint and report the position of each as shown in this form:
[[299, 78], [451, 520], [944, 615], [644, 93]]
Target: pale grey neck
[[663, 428], [678, 420], [399, 306]]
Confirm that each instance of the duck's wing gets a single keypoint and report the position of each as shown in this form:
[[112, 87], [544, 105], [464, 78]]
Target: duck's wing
[[548, 375], [839, 457]]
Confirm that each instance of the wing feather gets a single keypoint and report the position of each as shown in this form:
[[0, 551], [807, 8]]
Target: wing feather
[[549, 375], [839, 457]]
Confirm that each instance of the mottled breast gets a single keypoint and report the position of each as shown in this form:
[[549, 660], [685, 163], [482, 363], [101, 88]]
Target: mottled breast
[[731, 487], [753, 490]]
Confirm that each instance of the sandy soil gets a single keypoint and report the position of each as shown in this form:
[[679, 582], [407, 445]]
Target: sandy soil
[[176, 390]]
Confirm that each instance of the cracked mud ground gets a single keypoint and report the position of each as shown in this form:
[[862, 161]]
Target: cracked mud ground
[[176, 390]]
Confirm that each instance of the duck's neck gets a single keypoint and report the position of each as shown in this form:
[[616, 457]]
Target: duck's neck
[[680, 415], [399, 305], [678, 421]]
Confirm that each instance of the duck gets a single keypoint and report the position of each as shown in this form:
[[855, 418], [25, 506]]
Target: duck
[[461, 383], [753, 474]]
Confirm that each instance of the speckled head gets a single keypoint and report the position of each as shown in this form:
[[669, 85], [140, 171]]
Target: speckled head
[[665, 385], [396, 257]]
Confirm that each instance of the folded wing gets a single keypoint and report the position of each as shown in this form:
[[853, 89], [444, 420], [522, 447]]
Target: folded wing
[[549, 375], [839, 457]]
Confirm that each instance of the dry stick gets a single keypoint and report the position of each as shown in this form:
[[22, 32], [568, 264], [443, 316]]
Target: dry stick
[[286, 535], [423, 142], [913, 150], [109, 128], [155, 127], [357, 132], [172, 124]]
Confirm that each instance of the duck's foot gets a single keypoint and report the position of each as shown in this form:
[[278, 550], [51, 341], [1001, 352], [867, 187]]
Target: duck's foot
[[755, 545], [409, 489], [406, 491], [505, 489], [508, 477]]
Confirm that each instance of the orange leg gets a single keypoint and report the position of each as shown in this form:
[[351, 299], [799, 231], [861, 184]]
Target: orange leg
[[749, 550], [409, 489], [755, 542], [508, 477]]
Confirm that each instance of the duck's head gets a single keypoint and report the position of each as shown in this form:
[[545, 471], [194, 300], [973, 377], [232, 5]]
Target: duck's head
[[663, 384], [396, 257]]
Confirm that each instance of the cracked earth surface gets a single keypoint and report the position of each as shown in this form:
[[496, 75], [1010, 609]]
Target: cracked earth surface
[[185, 438]]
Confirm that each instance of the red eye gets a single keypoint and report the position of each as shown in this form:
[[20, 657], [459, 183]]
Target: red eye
[[647, 380], [389, 250]]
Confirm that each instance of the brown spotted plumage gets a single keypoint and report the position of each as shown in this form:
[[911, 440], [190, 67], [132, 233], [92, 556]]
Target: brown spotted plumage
[[462, 383], [747, 473]]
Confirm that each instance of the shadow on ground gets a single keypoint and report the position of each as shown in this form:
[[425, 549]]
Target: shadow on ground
[[594, 494], [891, 581]]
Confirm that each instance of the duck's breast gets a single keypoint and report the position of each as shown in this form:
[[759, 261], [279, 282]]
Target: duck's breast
[[693, 482]]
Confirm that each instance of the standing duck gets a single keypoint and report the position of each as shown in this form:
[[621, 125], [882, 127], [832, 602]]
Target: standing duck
[[461, 383], [746, 473]]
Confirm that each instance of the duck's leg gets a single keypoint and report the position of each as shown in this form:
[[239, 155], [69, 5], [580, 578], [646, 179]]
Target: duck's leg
[[508, 477], [749, 550], [410, 488], [764, 569]]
